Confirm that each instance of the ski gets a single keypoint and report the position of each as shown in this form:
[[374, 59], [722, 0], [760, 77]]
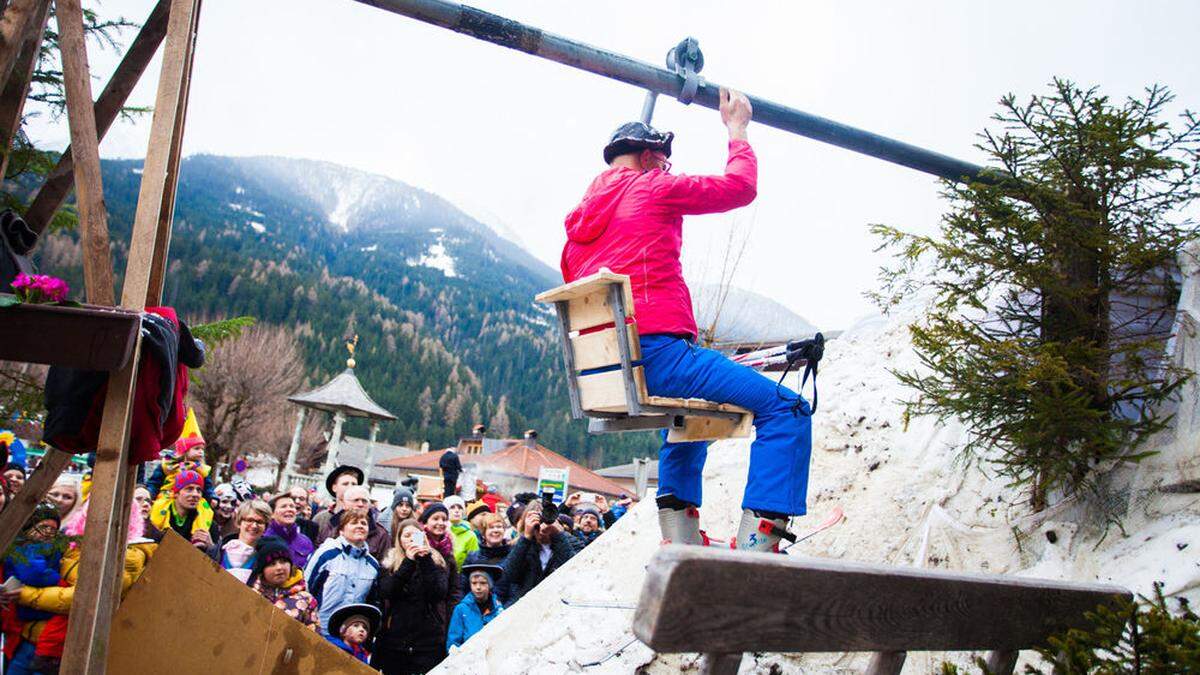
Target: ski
[[835, 516], [617, 653], [586, 604]]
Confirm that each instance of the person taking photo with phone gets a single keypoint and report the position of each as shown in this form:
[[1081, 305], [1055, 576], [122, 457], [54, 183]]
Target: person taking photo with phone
[[414, 587]]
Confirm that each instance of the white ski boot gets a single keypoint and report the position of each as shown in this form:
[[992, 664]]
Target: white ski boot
[[681, 526], [756, 533]]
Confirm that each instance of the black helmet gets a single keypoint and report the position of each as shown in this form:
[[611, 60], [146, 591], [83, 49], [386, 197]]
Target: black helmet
[[635, 136]]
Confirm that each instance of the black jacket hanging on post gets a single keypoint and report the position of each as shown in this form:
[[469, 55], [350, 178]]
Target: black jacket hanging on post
[[16, 241]]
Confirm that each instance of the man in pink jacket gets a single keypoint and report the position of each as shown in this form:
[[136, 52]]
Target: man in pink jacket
[[631, 221]]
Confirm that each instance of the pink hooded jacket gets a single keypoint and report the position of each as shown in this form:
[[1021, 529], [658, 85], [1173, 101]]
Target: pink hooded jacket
[[632, 223]]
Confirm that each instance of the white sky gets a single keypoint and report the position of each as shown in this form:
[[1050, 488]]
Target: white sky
[[514, 139]]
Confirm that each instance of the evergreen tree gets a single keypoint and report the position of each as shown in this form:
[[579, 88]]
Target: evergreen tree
[[1053, 290]]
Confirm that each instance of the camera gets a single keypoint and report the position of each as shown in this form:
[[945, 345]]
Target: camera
[[549, 508]]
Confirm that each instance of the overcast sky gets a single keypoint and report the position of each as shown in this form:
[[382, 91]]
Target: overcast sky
[[515, 140]]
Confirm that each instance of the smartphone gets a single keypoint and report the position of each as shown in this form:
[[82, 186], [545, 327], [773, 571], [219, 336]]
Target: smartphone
[[587, 497], [418, 539]]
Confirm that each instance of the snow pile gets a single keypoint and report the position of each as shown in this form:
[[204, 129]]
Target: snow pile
[[909, 501]]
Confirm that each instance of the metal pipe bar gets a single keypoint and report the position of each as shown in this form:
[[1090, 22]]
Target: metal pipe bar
[[522, 37]]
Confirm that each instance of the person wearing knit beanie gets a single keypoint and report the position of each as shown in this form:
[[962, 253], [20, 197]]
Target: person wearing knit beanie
[[269, 550], [282, 583], [435, 507], [186, 478]]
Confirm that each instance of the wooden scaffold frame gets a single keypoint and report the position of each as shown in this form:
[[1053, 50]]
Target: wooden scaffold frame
[[173, 22]]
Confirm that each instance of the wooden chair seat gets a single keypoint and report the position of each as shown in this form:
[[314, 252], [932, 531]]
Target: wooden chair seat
[[604, 377]]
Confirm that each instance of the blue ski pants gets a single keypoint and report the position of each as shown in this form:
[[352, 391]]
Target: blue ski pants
[[779, 456]]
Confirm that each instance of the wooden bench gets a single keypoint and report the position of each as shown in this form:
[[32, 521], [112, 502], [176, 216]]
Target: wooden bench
[[604, 377], [724, 603]]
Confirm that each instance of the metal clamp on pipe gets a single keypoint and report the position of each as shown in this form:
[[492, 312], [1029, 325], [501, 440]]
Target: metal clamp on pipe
[[686, 60]]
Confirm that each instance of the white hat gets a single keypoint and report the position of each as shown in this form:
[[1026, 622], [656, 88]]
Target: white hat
[[454, 500]]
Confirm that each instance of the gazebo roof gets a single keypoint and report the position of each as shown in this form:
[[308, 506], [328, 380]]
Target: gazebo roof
[[343, 394]]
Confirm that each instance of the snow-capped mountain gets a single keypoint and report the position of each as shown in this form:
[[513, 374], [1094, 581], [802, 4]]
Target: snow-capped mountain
[[745, 316]]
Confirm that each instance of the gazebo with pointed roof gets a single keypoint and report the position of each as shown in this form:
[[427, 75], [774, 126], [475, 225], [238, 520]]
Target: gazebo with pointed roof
[[343, 397]]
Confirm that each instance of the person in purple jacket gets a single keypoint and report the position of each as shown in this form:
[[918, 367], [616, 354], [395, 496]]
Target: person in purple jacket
[[283, 525]]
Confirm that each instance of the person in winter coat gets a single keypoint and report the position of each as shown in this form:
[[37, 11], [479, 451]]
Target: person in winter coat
[[352, 627], [336, 483], [461, 533], [304, 513], [342, 570], [477, 609], [588, 516], [282, 583], [413, 589], [48, 636], [435, 519], [451, 467], [631, 221], [358, 497], [541, 549], [492, 551], [36, 560], [284, 525], [224, 510], [187, 513], [186, 455], [401, 509], [238, 552]]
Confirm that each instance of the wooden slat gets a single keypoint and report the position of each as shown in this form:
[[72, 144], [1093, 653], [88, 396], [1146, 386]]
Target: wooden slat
[[886, 663], [599, 349], [582, 287], [93, 219], [13, 24], [711, 429], [775, 603], [693, 404], [21, 505], [54, 191], [16, 89], [605, 392]]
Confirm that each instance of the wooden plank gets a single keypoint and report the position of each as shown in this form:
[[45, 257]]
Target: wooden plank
[[583, 287], [220, 625], [754, 602], [14, 22], [91, 611], [605, 392], [166, 213], [54, 191], [16, 89], [599, 349], [93, 218], [21, 505], [633, 394], [148, 238], [693, 404], [886, 663], [562, 312], [711, 429]]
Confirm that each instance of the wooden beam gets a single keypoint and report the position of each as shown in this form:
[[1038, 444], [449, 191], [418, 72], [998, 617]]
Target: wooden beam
[[104, 540], [1002, 662], [776, 603], [21, 505], [720, 664], [16, 90], [13, 26], [93, 217], [150, 238], [51, 195]]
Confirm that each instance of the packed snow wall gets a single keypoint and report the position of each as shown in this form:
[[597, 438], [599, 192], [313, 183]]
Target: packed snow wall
[[909, 500]]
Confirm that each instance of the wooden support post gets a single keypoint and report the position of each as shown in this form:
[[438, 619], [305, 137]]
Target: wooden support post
[[17, 16], [93, 219], [720, 664], [19, 508], [16, 90], [1002, 662], [104, 539], [51, 195], [886, 663]]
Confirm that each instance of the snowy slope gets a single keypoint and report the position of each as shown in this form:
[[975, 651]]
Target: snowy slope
[[745, 316], [908, 502]]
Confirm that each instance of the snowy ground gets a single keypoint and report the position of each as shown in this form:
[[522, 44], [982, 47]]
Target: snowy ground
[[908, 500]]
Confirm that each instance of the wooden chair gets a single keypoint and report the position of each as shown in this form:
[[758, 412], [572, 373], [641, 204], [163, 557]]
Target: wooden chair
[[605, 379], [724, 603]]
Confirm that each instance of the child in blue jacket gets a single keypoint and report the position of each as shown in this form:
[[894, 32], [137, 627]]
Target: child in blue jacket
[[477, 609]]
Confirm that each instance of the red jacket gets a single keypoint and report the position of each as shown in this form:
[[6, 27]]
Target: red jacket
[[632, 223]]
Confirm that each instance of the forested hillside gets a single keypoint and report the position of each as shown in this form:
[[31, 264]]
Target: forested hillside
[[448, 332]]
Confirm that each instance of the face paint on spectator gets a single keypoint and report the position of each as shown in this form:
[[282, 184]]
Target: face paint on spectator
[[141, 497]]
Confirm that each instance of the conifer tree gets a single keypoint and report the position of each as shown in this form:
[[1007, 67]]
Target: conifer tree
[[1053, 290]]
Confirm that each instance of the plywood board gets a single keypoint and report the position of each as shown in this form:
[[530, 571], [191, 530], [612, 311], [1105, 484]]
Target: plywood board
[[599, 349], [711, 429], [187, 616], [605, 392]]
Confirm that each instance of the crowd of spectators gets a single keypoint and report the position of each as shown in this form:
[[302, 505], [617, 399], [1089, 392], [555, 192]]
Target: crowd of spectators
[[396, 585]]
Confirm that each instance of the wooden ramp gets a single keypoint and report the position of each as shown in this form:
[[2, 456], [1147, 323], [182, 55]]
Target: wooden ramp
[[724, 602], [187, 616]]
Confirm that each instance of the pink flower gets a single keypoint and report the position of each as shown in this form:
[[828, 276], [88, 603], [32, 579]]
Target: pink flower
[[40, 288]]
